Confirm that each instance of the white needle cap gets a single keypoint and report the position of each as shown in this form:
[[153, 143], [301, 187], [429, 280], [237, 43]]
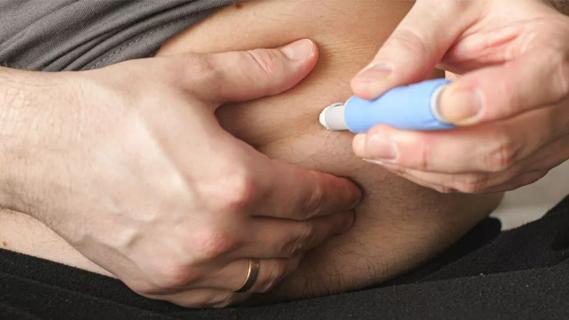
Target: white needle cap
[[332, 117]]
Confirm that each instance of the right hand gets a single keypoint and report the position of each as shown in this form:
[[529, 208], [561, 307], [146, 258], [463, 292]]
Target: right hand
[[131, 167]]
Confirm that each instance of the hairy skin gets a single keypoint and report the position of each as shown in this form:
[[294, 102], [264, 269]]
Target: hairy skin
[[398, 226]]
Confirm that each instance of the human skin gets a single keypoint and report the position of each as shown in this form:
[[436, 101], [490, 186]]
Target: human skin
[[510, 103], [164, 199], [399, 224]]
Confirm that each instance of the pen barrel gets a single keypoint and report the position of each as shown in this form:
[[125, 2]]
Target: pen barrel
[[407, 107]]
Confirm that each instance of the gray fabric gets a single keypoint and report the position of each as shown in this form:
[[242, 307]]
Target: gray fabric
[[54, 35]]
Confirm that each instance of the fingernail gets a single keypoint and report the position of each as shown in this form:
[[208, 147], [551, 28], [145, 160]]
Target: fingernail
[[374, 78], [460, 106], [359, 144], [380, 148], [299, 50]]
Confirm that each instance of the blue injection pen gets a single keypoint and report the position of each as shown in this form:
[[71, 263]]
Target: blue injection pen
[[412, 107]]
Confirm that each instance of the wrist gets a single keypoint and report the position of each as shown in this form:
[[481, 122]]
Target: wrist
[[22, 132]]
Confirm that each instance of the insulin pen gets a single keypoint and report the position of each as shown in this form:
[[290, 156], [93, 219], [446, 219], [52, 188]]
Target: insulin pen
[[412, 107]]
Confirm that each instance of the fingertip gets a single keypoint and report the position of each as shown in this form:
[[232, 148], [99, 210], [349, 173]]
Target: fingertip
[[302, 56], [257, 73], [300, 50], [461, 105], [352, 193], [358, 145]]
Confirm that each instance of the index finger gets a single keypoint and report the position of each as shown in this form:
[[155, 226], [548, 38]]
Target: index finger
[[299, 194]]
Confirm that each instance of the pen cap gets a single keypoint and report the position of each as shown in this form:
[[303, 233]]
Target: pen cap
[[407, 107]]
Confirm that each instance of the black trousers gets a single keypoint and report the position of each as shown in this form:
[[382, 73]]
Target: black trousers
[[522, 273]]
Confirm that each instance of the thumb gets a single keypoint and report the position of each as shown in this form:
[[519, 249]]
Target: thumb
[[415, 47], [247, 75], [535, 80]]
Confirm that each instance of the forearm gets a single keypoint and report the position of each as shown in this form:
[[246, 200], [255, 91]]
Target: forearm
[[13, 100], [24, 122]]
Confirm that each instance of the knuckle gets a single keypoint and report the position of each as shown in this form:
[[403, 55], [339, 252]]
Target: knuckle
[[223, 301], [238, 192], [270, 62], [502, 155], [444, 187], [472, 183], [200, 76], [468, 187], [170, 275], [213, 243], [299, 242], [274, 276], [199, 67], [175, 277]]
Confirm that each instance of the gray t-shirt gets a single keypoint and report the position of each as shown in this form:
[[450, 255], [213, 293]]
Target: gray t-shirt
[[55, 35]]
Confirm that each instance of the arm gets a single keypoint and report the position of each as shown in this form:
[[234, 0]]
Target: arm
[[168, 208]]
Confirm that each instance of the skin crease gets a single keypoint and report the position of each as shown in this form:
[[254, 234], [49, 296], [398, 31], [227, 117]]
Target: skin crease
[[399, 224]]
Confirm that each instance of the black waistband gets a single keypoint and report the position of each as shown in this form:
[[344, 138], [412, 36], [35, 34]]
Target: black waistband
[[485, 272]]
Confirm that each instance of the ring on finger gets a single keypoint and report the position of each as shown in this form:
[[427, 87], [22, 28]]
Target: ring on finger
[[251, 277]]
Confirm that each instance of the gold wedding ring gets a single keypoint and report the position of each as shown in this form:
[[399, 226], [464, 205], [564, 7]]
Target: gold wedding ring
[[252, 274]]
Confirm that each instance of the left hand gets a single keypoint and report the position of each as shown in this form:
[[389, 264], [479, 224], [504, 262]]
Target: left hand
[[511, 104]]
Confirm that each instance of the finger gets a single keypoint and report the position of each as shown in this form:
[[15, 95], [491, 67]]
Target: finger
[[199, 298], [426, 151], [491, 147], [404, 174], [299, 194], [272, 272], [520, 181], [247, 75], [233, 275], [543, 160], [415, 47], [534, 80], [279, 238], [551, 155], [445, 183]]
